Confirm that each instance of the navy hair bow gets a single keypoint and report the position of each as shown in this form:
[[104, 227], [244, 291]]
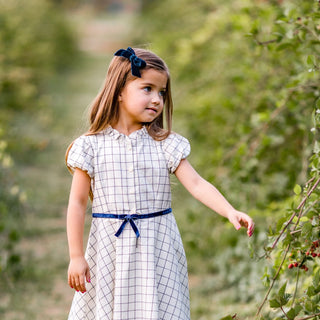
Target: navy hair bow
[[136, 62]]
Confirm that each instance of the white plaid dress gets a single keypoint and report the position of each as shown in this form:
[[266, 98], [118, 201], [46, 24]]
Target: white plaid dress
[[130, 175]]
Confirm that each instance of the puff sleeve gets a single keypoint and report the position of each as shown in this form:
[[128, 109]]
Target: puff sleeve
[[175, 148], [81, 155]]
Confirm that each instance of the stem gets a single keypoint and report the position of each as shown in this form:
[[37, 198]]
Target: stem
[[295, 231], [273, 281], [296, 288], [262, 43], [309, 317], [310, 31], [284, 313], [294, 214], [300, 208], [309, 193]]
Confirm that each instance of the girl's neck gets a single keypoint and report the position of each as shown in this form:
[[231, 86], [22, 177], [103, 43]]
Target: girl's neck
[[127, 128]]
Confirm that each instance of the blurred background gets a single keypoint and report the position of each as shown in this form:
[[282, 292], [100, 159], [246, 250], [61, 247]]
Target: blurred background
[[245, 84]]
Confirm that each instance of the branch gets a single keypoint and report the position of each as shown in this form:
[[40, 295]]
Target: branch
[[273, 281], [309, 194], [296, 288], [310, 31], [300, 206], [284, 313], [262, 43], [309, 317]]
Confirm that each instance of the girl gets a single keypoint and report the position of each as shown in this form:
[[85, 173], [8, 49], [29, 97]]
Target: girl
[[135, 265]]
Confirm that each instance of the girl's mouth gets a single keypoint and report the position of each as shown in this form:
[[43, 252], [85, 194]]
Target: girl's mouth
[[155, 110]]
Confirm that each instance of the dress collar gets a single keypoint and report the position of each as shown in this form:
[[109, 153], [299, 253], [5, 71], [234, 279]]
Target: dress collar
[[116, 134]]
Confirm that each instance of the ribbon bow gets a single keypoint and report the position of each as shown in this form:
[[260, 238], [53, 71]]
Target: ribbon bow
[[136, 62], [130, 219]]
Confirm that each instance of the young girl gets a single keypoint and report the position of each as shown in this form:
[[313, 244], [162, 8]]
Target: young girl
[[135, 265]]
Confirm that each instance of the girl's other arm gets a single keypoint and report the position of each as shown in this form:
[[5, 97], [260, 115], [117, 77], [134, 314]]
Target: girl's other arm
[[206, 193], [78, 268]]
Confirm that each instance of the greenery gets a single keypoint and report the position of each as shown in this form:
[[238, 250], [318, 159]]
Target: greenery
[[247, 77], [246, 91], [35, 43]]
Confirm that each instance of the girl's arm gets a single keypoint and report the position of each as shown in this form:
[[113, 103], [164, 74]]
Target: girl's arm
[[206, 193], [78, 268]]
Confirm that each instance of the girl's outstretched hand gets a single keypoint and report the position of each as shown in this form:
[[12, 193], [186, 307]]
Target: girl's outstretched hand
[[78, 274], [240, 219]]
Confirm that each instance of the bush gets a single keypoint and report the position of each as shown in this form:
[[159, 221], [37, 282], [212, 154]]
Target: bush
[[35, 43], [244, 90], [246, 75]]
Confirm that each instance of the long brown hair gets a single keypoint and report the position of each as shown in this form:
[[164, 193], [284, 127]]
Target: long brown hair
[[104, 110]]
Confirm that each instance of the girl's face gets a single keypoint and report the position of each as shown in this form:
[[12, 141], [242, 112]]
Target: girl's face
[[142, 99]]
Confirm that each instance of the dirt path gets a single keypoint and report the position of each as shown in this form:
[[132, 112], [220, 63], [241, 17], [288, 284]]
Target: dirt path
[[44, 294]]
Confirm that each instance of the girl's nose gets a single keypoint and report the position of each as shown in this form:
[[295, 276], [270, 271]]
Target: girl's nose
[[156, 98]]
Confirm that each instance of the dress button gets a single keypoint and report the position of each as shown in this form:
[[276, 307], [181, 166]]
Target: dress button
[[129, 146]]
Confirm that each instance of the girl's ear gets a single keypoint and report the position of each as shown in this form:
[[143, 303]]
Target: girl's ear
[[120, 98]]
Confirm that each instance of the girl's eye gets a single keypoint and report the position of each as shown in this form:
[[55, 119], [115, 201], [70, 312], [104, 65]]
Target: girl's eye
[[162, 93], [147, 89]]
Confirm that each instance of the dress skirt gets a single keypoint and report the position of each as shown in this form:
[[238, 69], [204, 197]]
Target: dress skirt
[[130, 280]]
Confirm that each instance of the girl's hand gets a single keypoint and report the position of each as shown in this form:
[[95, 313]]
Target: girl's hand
[[240, 219], [78, 273]]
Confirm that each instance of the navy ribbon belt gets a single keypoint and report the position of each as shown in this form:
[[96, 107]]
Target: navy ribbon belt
[[130, 218]]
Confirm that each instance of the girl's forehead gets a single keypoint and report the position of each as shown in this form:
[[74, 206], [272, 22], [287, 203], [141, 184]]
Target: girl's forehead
[[154, 76]]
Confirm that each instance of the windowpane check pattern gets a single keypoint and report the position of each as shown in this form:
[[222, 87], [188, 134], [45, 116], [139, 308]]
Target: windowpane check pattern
[[131, 175]]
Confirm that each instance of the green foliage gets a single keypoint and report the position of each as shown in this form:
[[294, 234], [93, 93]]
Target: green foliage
[[11, 202], [245, 101], [246, 75], [295, 248], [35, 42]]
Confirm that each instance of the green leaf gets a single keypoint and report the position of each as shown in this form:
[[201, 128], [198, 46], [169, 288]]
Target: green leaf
[[227, 318], [284, 45], [280, 223], [274, 303], [311, 61], [293, 312], [297, 189], [316, 280], [281, 298], [308, 306], [311, 291], [306, 230]]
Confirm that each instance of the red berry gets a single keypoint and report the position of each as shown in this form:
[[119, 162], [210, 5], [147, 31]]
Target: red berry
[[306, 269], [318, 254], [314, 254], [296, 264], [290, 266], [307, 253]]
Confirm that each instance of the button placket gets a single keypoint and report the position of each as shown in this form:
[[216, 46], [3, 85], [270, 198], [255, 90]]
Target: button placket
[[131, 178]]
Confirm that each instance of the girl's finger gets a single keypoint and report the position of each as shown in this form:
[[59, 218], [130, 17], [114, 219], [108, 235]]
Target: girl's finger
[[88, 278], [71, 281], [250, 229], [76, 283], [82, 284]]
